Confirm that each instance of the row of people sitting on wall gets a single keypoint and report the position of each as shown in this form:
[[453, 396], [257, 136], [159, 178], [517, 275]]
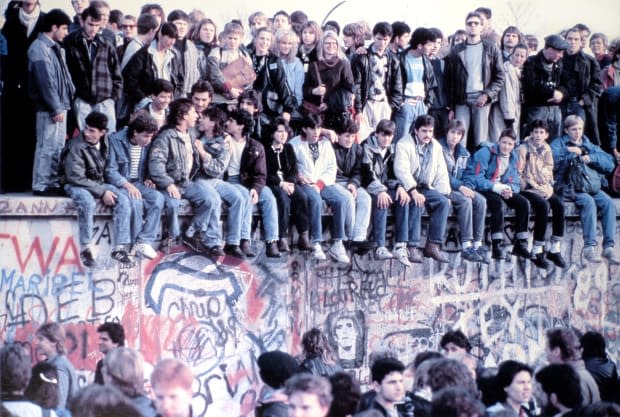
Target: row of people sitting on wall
[[212, 159]]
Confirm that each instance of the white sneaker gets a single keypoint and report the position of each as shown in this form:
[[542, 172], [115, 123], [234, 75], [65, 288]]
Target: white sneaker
[[145, 250], [317, 252], [382, 253], [402, 255], [338, 253]]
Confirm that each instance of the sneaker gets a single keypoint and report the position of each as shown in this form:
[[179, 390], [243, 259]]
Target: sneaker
[[144, 250], [382, 253], [611, 256], [283, 245], [470, 254], [402, 255], [318, 253], [87, 258], [540, 261], [590, 256], [121, 256], [483, 254], [557, 259], [338, 253]]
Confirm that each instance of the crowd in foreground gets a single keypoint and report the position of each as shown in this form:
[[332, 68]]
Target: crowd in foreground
[[575, 379], [395, 123]]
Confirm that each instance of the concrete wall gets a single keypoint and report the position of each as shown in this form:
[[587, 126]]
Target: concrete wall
[[219, 316]]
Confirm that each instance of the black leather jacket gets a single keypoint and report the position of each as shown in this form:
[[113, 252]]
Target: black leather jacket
[[586, 71], [456, 73], [271, 77], [537, 83], [430, 82], [360, 66]]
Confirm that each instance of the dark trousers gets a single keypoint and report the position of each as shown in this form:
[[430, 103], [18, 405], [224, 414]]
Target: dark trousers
[[495, 206], [298, 201], [540, 207]]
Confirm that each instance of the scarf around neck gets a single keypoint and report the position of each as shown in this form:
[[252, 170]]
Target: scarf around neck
[[29, 20]]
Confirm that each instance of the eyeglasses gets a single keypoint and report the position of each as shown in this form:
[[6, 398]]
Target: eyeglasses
[[128, 26], [472, 23]]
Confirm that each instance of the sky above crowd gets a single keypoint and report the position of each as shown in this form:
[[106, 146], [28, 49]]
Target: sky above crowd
[[540, 17]]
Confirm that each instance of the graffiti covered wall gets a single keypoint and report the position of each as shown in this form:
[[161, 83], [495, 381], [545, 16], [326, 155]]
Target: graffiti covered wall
[[219, 316]]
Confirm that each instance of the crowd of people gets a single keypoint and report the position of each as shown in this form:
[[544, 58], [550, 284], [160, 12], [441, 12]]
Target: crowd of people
[[163, 108], [576, 378]]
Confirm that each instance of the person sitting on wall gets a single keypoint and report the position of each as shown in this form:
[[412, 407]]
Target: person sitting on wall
[[83, 168], [571, 146]]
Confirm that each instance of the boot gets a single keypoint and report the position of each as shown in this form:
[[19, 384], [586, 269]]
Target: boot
[[303, 243], [246, 248], [431, 250], [497, 250], [557, 259], [283, 245], [520, 249], [271, 249], [540, 261]]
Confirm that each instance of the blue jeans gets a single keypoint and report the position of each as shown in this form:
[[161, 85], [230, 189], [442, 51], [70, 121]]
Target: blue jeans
[[336, 197], [588, 205], [610, 107], [206, 204], [405, 116], [145, 213], [357, 214], [470, 214], [86, 204], [268, 210], [438, 207], [237, 199], [50, 141], [379, 221]]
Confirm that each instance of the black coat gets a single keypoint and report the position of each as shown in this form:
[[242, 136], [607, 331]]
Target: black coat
[[605, 374]]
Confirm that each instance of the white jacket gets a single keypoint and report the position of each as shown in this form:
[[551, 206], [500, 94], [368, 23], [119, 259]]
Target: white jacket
[[324, 170], [407, 162]]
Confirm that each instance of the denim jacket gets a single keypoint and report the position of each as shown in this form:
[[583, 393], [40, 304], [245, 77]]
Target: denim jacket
[[50, 87], [119, 160], [167, 160]]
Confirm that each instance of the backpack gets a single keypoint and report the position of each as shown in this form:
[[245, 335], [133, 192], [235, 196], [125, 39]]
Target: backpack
[[583, 178]]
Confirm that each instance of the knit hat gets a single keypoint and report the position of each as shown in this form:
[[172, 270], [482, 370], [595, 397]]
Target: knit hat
[[276, 367]]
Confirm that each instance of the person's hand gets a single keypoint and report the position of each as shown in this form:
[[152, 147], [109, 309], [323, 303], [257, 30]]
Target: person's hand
[[320, 90], [557, 97], [253, 196], [303, 180], [353, 189], [286, 116], [132, 191], [109, 198], [482, 100], [418, 198], [586, 159], [384, 200], [235, 92], [466, 191], [330, 134], [402, 197], [149, 183], [574, 149], [173, 191], [288, 187], [58, 118], [506, 193]]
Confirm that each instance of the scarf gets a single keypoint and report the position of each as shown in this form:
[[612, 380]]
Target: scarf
[[29, 20]]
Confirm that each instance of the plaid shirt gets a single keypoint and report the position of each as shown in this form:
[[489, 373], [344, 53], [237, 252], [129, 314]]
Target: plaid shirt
[[96, 81]]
